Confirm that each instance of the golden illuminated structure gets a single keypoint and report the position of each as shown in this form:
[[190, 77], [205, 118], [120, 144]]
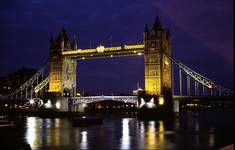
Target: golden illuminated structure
[[62, 74], [157, 65], [64, 55], [101, 51]]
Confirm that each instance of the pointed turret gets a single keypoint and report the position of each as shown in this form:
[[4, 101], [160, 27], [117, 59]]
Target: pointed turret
[[51, 42], [157, 24], [62, 38], [146, 29], [67, 45], [168, 34], [75, 46]]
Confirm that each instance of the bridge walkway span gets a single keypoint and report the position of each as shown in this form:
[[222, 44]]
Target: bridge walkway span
[[91, 99]]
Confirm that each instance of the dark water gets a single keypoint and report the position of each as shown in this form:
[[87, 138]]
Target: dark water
[[192, 130]]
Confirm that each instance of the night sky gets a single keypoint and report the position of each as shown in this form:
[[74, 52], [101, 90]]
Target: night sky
[[202, 37]]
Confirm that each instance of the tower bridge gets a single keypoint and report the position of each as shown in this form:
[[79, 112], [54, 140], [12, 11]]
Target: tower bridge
[[159, 64], [64, 54]]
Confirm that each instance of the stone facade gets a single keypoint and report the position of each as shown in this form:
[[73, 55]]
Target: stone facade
[[62, 69], [157, 42]]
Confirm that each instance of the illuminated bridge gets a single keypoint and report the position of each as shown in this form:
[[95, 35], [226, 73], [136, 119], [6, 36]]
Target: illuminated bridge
[[91, 99], [104, 52], [164, 74]]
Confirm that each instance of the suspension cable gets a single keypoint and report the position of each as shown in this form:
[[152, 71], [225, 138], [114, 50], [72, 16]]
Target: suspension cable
[[198, 77]]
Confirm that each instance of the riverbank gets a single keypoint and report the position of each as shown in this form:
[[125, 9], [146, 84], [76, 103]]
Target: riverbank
[[43, 113]]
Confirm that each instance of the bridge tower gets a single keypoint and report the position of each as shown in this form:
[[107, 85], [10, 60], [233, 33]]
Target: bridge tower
[[62, 75], [158, 68]]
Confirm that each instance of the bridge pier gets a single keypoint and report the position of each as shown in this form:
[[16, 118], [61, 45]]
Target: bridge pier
[[176, 106], [77, 107]]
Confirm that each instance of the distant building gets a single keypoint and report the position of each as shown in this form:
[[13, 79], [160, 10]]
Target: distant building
[[13, 81]]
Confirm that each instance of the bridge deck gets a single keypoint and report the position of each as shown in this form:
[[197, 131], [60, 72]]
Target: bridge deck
[[213, 98], [91, 99]]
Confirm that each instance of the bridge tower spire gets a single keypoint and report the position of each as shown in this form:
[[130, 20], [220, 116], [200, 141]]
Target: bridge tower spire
[[62, 73], [157, 66]]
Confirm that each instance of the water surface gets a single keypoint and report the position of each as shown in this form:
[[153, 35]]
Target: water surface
[[192, 130]]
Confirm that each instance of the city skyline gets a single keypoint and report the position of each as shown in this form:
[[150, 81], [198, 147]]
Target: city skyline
[[200, 46]]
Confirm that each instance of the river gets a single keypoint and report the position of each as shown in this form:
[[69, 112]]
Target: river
[[191, 130], [210, 129]]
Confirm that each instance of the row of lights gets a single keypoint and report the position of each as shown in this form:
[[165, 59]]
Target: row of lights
[[7, 87], [101, 49], [139, 53]]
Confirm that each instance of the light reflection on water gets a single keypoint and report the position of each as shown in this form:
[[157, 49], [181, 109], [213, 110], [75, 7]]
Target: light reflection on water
[[125, 140], [84, 141], [31, 133], [45, 132], [122, 133], [151, 135]]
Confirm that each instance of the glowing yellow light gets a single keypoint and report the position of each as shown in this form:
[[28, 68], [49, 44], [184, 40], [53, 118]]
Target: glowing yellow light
[[70, 52], [83, 58], [55, 86], [161, 100], [161, 135], [140, 46], [166, 62], [151, 136], [58, 105], [113, 48], [84, 105], [139, 53], [111, 55], [100, 49], [151, 84], [78, 94], [87, 51], [210, 86], [91, 55]]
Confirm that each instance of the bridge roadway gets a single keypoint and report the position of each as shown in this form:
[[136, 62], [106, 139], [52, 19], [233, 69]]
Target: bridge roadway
[[91, 99], [203, 98], [134, 99]]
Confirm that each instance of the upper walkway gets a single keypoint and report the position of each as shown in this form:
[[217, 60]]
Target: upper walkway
[[102, 52]]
